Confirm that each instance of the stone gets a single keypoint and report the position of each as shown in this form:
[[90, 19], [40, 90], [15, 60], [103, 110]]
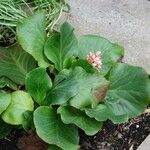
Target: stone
[[145, 144], [126, 22]]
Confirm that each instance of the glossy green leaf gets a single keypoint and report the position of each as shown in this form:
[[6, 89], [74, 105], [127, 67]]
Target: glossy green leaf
[[70, 115], [64, 87], [5, 82], [31, 35], [28, 120], [110, 52], [149, 87], [38, 83], [20, 103], [91, 88], [15, 63], [53, 147], [69, 62], [52, 130], [60, 46], [5, 100], [84, 64], [127, 97], [5, 129]]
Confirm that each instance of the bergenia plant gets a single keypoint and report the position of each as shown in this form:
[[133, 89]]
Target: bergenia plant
[[60, 83]]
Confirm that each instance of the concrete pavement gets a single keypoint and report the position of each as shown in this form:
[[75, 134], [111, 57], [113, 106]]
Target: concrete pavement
[[126, 22]]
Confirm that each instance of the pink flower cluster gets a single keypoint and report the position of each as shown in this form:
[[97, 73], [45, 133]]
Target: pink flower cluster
[[95, 59]]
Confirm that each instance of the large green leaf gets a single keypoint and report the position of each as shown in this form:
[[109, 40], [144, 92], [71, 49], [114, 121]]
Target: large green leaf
[[38, 83], [28, 120], [5, 100], [149, 87], [15, 63], [91, 88], [53, 147], [52, 130], [70, 115], [31, 35], [60, 46], [64, 87], [20, 103], [84, 64], [110, 52], [127, 96], [6, 82]]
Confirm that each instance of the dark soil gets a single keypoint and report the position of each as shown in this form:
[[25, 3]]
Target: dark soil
[[31, 142], [10, 142], [126, 136], [20, 140]]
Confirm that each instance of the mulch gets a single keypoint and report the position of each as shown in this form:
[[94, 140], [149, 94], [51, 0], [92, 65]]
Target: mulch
[[127, 136]]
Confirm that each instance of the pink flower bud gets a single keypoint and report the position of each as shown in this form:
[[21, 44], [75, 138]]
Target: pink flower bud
[[95, 59]]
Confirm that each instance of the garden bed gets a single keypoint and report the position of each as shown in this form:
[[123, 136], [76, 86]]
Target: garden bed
[[52, 82], [126, 136]]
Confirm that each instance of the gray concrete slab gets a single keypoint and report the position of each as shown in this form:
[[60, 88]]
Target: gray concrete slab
[[145, 145], [126, 22]]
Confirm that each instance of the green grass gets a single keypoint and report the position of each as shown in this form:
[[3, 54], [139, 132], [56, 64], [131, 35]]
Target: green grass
[[13, 11]]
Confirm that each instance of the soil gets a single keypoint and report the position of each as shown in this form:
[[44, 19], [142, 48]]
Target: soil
[[31, 142], [126, 136], [10, 142], [20, 140]]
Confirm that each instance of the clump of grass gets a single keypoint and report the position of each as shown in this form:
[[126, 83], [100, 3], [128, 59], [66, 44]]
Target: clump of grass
[[13, 11]]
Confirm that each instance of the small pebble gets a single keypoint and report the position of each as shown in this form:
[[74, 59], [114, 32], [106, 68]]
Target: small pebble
[[119, 135]]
